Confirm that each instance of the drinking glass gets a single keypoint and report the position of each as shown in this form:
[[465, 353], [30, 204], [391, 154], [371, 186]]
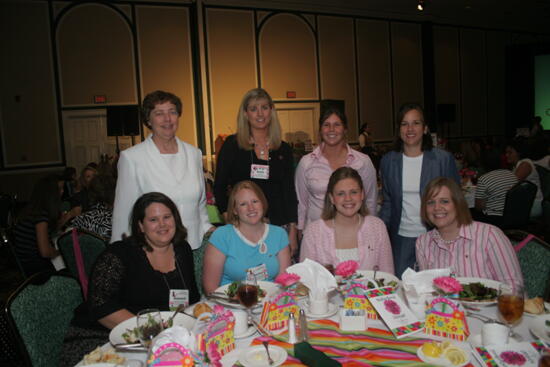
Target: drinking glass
[[149, 322], [247, 293], [510, 305]]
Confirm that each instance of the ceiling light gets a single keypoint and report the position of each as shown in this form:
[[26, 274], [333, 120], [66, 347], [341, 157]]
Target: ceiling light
[[420, 5]]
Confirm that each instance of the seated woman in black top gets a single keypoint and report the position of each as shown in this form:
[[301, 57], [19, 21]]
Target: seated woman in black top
[[143, 270], [40, 218]]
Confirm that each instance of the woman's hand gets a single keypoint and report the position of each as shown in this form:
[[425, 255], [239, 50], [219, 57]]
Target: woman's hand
[[212, 270], [115, 318]]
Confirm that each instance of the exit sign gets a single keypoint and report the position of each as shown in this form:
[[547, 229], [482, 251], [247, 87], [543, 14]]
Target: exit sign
[[291, 94], [101, 98]]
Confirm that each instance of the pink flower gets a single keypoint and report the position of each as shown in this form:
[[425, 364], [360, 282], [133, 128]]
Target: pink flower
[[218, 309], [287, 279], [346, 268], [513, 358], [448, 285], [392, 307], [214, 355]]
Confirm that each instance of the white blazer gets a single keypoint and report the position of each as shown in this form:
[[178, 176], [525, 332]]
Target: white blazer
[[142, 169]]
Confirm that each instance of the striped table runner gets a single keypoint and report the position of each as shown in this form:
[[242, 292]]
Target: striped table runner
[[374, 347]]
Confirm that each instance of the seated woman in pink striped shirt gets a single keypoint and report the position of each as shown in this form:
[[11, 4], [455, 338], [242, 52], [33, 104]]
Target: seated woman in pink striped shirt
[[469, 248], [346, 231]]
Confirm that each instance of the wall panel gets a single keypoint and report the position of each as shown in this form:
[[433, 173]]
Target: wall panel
[[406, 46], [474, 82], [337, 66], [496, 82], [165, 56], [95, 49], [375, 93], [288, 59], [232, 64], [28, 108], [447, 76]]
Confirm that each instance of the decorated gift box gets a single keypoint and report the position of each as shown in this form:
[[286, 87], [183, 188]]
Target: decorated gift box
[[218, 334], [355, 299], [174, 354], [276, 312], [445, 316]]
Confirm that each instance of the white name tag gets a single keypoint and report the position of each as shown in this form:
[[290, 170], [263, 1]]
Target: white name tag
[[178, 297], [260, 272], [259, 171]]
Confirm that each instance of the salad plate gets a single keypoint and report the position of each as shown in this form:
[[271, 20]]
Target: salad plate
[[269, 288], [129, 326], [479, 296]]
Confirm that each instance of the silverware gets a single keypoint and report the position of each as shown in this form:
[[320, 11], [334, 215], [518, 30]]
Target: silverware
[[266, 346], [180, 308], [479, 317], [260, 329], [130, 347], [375, 271], [223, 298]]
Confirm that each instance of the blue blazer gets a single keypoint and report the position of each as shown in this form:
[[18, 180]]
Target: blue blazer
[[435, 163]]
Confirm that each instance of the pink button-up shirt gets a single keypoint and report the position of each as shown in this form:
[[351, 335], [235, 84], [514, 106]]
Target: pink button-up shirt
[[311, 178], [481, 250], [373, 245]]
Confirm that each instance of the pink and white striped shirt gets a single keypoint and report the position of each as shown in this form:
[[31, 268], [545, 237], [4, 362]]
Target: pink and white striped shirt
[[481, 250]]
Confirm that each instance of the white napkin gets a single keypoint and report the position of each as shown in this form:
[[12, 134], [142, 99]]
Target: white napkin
[[418, 285], [175, 334], [314, 276]]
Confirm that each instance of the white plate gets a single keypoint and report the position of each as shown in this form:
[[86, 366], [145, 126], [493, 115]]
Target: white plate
[[269, 287], [257, 357], [537, 325], [251, 330], [495, 284], [332, 309], [115, 337], [442, 361]]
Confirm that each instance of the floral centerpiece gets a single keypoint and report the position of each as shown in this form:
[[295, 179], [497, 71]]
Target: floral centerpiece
[[288, 281], [347, 270], [448, 286], [468, 175]]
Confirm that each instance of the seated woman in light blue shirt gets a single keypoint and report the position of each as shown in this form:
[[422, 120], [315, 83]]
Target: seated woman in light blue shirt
[[247, 243]]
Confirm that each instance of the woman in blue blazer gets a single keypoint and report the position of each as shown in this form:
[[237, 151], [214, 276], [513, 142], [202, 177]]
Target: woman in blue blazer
[[405, 172]]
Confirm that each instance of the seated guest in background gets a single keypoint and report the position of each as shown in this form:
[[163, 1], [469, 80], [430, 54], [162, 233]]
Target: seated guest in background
[[70, 184], [80, 201], [470, 249], [346, 231], [517, 154], [38, 220], [247, 243], [140, 271], [99, 218], [491, 192]]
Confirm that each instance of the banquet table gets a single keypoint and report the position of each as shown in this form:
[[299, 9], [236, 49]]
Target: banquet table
[[374, 347]]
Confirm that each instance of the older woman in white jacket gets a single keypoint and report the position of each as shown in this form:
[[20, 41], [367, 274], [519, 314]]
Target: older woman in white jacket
[[162, 163]]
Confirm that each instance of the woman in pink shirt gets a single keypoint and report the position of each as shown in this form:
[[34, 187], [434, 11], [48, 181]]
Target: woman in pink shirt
[[469, 248], [346, 231]]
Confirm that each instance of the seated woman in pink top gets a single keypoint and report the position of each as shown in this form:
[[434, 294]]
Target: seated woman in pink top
[[346, 231], [469, 248]]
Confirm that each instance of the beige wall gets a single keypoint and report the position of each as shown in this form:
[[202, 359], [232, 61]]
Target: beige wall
[[374, 65]]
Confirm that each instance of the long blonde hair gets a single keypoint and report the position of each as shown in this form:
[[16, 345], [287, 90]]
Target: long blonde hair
[[244, 132]]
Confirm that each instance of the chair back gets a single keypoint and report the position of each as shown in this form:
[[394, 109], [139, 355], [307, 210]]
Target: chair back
[[39, 313], [6, 237], [544, 175], [91, 245], [517, 205], [533, 256], [198, 259]]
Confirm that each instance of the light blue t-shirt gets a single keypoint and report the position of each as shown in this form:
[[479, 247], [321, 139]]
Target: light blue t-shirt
[[242, 254]]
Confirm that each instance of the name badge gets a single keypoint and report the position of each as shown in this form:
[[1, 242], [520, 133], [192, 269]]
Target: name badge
[[259, 171], [260, 272], [178, 297]]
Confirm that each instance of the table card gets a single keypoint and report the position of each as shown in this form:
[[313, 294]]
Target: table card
[[524, 354], [218, 333], [355, 299], [445, 317], [393, 311], [275, 313]]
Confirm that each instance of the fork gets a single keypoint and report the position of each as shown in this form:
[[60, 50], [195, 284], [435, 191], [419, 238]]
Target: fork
[[266, 346]]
